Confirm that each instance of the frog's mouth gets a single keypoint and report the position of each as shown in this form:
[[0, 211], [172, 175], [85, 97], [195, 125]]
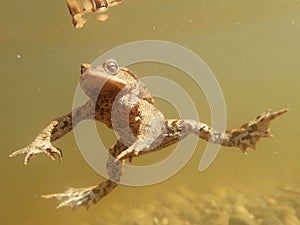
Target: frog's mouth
[[94, 79]]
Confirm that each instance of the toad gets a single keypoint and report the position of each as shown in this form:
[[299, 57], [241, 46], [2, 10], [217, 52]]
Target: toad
[[122, 102]]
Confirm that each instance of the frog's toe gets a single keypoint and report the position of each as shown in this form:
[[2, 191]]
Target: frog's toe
[[251, 132], [88, 196], [18, 152], [28, 153], [52, 152], [138, 146], [74, 197], [124, 154], [37, 147]]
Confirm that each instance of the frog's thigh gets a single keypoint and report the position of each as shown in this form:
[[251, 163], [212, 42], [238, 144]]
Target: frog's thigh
[[115, 167]]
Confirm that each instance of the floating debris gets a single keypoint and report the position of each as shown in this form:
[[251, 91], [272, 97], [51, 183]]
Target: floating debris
[[78, 8]]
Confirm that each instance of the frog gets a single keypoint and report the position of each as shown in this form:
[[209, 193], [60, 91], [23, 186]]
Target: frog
[[121, 101]]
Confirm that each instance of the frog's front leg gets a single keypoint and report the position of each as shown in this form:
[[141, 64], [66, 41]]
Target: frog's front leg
[[55, 130], [88, 196]]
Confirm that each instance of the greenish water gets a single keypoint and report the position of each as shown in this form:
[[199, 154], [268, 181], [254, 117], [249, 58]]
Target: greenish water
[[252, 47]]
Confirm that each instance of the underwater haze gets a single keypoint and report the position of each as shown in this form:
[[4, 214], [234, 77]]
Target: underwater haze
[[253, 49]]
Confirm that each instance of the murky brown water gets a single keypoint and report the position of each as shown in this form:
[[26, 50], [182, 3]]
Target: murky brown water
[[253, 48]]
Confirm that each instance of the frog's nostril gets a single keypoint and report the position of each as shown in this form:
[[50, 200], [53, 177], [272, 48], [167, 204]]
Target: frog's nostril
[[111, 66], [84, 67]]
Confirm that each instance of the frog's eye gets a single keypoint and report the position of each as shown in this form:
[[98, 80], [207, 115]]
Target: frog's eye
[[111, 66]]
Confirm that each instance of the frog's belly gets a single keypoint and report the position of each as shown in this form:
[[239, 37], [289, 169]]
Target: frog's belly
[[143, 123]]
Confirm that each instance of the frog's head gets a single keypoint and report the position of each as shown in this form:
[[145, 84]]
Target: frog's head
[[108, 77]]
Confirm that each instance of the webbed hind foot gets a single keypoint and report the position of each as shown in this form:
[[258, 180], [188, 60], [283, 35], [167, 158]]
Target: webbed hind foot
[[251, 132], [75, 197]]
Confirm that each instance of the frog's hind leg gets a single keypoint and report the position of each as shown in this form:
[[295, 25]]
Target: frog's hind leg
[[243, 137], [88, 196]]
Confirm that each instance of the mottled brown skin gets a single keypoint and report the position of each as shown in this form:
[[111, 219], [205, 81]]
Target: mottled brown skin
[[122, 102]]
